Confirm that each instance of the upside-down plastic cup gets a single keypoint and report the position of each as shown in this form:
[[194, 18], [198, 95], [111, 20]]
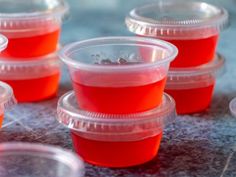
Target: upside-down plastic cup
[[32, 27], [115, 140], [192, 88], [32, 80], [37, 160], [193, 27], [110, 75], [7, 99]]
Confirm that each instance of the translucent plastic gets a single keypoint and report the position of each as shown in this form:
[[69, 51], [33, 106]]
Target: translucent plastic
[[114, 75], [7, 99], [232, 107], [193, 27], [192, 88], [31, 26], [33, 80], [115, 140], [35, 160], [3, 43]]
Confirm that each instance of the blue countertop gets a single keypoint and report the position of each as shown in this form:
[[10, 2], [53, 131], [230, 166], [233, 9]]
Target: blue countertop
[[199, 145]]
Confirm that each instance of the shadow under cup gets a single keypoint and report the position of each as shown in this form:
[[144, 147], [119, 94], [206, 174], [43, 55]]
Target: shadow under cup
[[110, 75]]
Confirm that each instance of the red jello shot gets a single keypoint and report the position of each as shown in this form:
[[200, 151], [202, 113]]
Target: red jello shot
[[192, 88], [110, 75], [32, 80], [193, 27], [32, 27], [7, 99], [115, 140]]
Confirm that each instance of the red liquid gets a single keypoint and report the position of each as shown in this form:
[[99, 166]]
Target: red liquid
[[194, 52], [120, 100], [33, 46], [192, 100], [116, 154], [1, 120], [35, 89]]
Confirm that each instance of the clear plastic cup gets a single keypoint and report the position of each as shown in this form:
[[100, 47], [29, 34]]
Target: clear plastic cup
[[192, 88], [32, 80], [115, 140], [7, 99], [37, 160], [193, 27], [110, 75], [3, 43], [31, 26]]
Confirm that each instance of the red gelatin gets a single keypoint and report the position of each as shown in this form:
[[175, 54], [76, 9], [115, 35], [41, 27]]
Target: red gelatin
[[192, 100], [120, 100], [35, 89], [116, 154], [31, 46], [1, 120], [194, 52]]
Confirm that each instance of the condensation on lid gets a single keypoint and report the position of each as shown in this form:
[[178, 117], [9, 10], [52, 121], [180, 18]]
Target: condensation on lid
[[30, 68], [193, 77], [3, 42], [232, 107], [113, 127], [7, 98], [177, 19]]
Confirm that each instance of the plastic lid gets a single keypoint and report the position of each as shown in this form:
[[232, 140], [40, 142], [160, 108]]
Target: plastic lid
[[232, 107], [115, 127], [25, 15], [177, 19], [7, 98], [3, 42], [30, 159], [194, 77], [30, 68]]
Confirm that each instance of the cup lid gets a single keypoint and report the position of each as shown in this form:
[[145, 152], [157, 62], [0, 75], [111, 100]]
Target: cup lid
[[7, 98], [177, 19], [29, 68], [24, 15], [114, 127], [3, 42], [193, 76]]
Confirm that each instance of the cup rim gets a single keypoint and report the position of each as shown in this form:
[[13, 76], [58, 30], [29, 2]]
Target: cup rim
[[47, 151], [115, 40]]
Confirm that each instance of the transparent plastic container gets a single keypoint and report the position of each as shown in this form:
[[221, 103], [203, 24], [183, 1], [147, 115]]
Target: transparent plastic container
[[193, 27], [33, 80], [112, 74], [7, 99], [115, 140], [31, 26], [37, 160], [3, 42], [192, 88], [232, 107]]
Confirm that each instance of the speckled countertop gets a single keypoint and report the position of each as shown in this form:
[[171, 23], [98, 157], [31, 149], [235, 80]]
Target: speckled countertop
[[200, 145]]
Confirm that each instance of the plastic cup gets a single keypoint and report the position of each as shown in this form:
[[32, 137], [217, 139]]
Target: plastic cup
[[115, 140], [7, 99], [3, 42], [32, 80], [192, 88], [109, 75], [193, 27], [36, 160], [32, 27]]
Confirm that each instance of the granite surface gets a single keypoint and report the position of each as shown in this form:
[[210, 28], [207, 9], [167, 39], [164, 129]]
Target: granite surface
[[199, 145]]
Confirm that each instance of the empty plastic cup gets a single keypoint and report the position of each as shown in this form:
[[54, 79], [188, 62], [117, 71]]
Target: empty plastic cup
[[32, 80], [31, 26], [192, 88], [7, 99], [111, 74], [115, 140], [193, 27], [37, 160]]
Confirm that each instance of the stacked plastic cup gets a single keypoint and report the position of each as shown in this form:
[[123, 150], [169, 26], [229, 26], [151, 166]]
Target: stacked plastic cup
[[35, 160], [29, 64], [118, 109], [194, 28]]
